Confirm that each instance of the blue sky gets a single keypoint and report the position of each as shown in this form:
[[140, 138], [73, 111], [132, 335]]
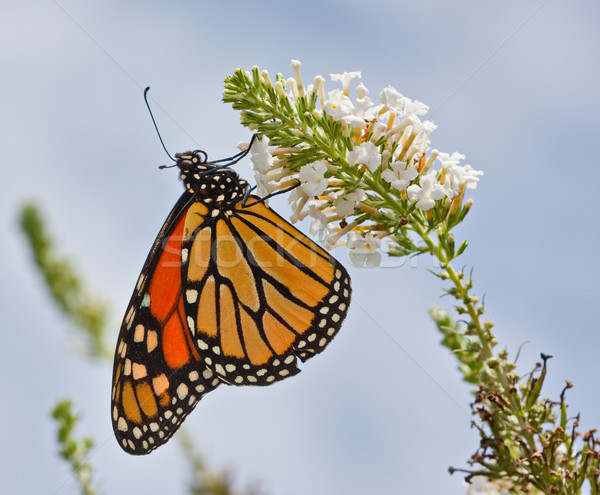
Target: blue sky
[[513, 85]]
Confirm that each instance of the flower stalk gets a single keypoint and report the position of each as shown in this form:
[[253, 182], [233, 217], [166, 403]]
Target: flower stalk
[[366, 173]]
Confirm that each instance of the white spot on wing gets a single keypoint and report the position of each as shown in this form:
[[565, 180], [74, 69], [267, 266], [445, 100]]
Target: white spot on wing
[[151, 340], [139, 371], [138, 336], [182, 391], [191, 295], [122, 424]]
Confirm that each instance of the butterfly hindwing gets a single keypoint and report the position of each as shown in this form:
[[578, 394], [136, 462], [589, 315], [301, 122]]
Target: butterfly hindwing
[[158, 376], [259, 293]]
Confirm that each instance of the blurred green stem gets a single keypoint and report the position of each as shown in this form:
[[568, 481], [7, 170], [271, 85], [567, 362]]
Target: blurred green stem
[[64, 284], [71, 449]]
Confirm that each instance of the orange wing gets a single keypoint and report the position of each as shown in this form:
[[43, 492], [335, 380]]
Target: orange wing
[[158, 375], [258, 293]]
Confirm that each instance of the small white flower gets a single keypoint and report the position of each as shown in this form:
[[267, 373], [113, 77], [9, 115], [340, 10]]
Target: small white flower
[[345, 78], [363, 110], [449, 160], [561, 452], [363, 250], [400, 104], [293, 85], [415, 107], [418, 148], [312, 178], [427, 193], [449, 189], [319, 87], [264, 187], [361, 91], [427, 127], [392, 99], [295, 197], [261, 159], [338, 105], [344, 205], [466, 175], [366, 154], [399, 176], [320, 228]]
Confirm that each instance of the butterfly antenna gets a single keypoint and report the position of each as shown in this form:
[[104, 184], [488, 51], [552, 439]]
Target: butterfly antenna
[[155, 126]]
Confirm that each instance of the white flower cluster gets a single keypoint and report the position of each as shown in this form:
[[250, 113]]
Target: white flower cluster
[[400, 161]]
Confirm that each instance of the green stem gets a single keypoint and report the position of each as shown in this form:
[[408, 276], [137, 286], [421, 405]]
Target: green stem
[[484, 336]]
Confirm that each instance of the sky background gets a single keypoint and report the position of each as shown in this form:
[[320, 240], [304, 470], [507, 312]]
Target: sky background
[[513, 85]]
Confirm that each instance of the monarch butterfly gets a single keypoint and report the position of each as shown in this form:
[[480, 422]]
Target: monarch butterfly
[[230, 293]]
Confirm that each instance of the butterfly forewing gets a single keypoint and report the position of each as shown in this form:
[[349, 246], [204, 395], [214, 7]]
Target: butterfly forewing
[[158, 376]]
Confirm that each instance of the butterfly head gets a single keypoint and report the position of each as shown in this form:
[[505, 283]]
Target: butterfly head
[[209, 181]]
